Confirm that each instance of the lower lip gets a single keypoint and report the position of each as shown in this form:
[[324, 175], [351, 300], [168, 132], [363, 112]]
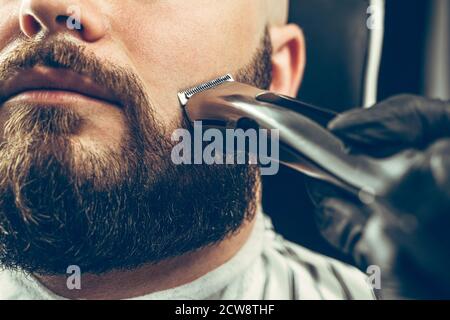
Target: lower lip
[[55, 97]]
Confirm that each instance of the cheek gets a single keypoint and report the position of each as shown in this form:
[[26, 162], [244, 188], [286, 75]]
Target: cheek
[[9, 23], [175, 44]]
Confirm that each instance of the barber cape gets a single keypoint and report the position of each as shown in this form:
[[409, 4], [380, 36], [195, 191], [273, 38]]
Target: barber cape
[[266, 267]]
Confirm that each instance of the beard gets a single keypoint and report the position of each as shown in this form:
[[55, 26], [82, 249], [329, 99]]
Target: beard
[[62, 204]]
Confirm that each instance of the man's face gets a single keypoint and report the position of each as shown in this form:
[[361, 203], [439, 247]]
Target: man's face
[[170, 45], [85, 172]]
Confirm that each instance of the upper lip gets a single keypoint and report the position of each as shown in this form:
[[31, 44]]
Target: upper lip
[[43, 78]]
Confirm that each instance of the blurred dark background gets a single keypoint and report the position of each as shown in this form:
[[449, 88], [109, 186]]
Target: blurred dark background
[[350, 65]]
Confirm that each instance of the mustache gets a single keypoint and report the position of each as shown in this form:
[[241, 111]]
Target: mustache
[[60, 53], [127, 87]]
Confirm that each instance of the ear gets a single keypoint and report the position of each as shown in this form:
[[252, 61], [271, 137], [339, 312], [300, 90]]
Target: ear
[[288, 58]]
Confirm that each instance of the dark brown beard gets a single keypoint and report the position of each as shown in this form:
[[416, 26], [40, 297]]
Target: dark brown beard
[[120, 209]]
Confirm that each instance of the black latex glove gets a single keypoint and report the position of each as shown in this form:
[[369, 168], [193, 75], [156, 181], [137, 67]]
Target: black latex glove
[[409, 239]]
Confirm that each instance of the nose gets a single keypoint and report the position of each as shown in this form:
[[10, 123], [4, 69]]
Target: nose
[[58, 16]]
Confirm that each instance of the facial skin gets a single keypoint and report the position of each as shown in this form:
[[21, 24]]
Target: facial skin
[[114, 161]]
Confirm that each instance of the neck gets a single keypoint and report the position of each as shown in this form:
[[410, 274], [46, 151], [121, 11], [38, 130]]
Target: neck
[[148, 279]]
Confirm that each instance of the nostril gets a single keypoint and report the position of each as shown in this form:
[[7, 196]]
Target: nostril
[[62, 19], [52, 17], [30, 25], [69, 22]]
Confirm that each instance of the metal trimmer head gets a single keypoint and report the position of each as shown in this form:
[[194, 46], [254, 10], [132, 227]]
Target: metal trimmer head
[[185, 95]]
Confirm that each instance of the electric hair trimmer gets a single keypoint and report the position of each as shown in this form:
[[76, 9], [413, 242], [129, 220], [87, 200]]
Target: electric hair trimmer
[[305, 143]]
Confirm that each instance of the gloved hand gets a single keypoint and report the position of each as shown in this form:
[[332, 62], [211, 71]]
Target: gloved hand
[[408, 236]]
